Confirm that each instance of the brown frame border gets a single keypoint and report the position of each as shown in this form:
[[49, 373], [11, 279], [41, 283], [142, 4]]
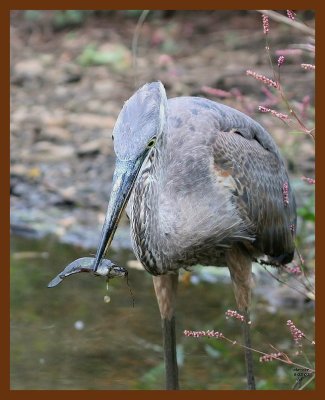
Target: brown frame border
[[5, 204]]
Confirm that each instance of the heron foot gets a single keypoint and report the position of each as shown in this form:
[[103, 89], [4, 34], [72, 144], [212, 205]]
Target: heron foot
[[85, 264]]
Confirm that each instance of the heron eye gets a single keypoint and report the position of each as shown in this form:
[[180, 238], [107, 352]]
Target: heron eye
[[113, 138], [152, 142]]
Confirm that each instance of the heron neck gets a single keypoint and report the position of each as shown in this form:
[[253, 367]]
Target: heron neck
[[145, 233]]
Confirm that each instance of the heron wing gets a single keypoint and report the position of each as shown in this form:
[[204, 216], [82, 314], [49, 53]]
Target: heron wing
[[246, 161], [260, 190]]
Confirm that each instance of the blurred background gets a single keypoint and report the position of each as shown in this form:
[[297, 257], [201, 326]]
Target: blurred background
[[71, 72]]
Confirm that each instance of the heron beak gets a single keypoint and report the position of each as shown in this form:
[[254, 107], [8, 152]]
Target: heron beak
[[123, 180]]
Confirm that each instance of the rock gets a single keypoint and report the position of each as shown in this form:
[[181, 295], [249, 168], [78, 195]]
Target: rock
[[101, 145], [67, 221], [54, 119], [23, 180], [27, 70], [56, 134], [282, 297], [48, 152], [18, 170], [68, 195], [34, 173], [135, 264], [104, 86], [94, 105], [72, 73], [92, 121]]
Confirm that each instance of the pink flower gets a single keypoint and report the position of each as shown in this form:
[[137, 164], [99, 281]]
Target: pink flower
[[311, 181], [234, 314], [273, 112], [207, 333], [295, 269], [266, 25], [291, 14], [280, 61], [270, 357], [308, 67], [262, 78], [296, 333]]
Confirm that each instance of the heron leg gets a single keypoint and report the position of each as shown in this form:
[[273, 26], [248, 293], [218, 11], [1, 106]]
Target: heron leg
[[240, 267], [248, 352], [166, 288]]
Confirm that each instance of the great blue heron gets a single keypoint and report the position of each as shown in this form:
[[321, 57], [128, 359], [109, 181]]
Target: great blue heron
[[205, 184]]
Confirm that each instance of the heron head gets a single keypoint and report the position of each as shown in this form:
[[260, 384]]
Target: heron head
[[142, 119]]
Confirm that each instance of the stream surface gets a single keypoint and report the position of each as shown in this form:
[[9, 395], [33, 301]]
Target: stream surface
[[68, 337]]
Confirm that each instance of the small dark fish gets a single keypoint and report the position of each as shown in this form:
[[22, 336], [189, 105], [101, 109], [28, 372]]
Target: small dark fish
[[85, 264]]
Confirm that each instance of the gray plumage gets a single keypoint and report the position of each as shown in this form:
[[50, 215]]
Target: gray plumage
[[206, 185], [214, 178]]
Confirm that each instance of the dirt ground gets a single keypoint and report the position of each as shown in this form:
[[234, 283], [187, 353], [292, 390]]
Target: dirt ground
[[69, 84]]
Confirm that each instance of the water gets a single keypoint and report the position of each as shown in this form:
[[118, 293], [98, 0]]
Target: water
[[68, 337]]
